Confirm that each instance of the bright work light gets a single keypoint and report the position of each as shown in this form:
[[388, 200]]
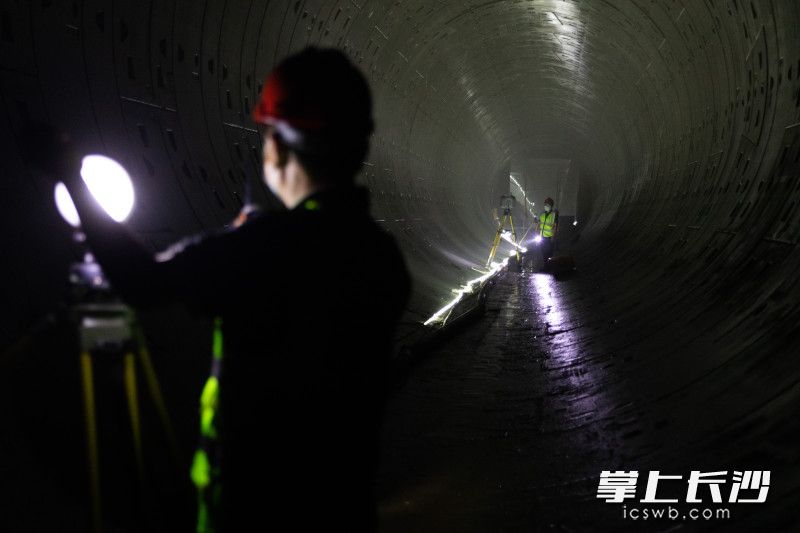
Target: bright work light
[[65, 205], [109, 183]]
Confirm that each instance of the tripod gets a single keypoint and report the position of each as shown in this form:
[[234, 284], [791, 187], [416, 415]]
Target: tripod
[[500, 229], [108, 328]]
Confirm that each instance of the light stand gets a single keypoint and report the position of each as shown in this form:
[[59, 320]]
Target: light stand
[[107, 327]]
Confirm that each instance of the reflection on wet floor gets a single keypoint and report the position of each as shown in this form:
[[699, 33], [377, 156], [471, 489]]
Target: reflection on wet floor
[[581, 390], [508, 426]]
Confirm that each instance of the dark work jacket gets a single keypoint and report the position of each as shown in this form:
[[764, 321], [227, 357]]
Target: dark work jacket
[[309, 300]]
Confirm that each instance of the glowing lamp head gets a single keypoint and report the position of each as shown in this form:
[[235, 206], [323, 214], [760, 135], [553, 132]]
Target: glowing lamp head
[[110, 185], [65, 205], [537, 239], [108, 182]]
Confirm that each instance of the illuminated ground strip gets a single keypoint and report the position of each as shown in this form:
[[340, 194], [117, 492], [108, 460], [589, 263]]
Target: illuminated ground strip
[[506, 238], [467, 288], [442, 314]]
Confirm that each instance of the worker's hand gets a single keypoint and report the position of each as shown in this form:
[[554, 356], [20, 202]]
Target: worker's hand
[[247, 213]]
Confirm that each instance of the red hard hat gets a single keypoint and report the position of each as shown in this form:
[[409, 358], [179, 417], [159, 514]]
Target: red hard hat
[[275, 105], [549, 200], [317, 91]]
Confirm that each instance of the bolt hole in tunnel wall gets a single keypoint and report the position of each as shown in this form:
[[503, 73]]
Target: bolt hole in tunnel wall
[[668, 129]]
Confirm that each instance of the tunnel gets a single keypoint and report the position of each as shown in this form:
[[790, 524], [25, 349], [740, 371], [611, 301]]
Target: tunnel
[[666, 131]]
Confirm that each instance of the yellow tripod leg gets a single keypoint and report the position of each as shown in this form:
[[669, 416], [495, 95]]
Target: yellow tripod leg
[[91, 438], [155, 393], [133, 410], [496, 241], [514, 236]]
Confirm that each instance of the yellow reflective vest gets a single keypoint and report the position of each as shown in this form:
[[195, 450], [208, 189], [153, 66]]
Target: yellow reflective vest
[[547, 222]]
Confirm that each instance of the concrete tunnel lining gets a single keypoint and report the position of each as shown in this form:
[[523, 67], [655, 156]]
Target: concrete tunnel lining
[[459, 91], [681, 117]]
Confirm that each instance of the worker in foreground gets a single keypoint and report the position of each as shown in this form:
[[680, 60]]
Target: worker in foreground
[[302, 384], [547, 226]]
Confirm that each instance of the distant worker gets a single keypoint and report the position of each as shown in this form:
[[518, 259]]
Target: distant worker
[[306, 348], [547, 223]]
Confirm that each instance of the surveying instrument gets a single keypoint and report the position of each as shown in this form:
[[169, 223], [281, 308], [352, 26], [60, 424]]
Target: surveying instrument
[[108, 328], [506, 204]]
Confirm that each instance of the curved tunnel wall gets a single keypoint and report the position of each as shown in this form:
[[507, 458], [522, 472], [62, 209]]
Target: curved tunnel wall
[[679, 114]]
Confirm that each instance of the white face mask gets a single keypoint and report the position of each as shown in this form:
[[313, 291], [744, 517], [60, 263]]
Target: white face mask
[[272, 177], [547, 208]]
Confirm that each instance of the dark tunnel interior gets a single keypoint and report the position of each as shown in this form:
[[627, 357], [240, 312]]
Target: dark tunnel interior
[[667, 132]]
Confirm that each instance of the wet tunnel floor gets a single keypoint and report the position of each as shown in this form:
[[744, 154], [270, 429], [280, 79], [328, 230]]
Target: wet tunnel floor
[[507, 426]]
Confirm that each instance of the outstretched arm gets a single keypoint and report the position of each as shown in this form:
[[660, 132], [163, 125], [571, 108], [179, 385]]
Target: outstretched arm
[[187, 271], [123, 257], [133, 270], [206, 272]]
